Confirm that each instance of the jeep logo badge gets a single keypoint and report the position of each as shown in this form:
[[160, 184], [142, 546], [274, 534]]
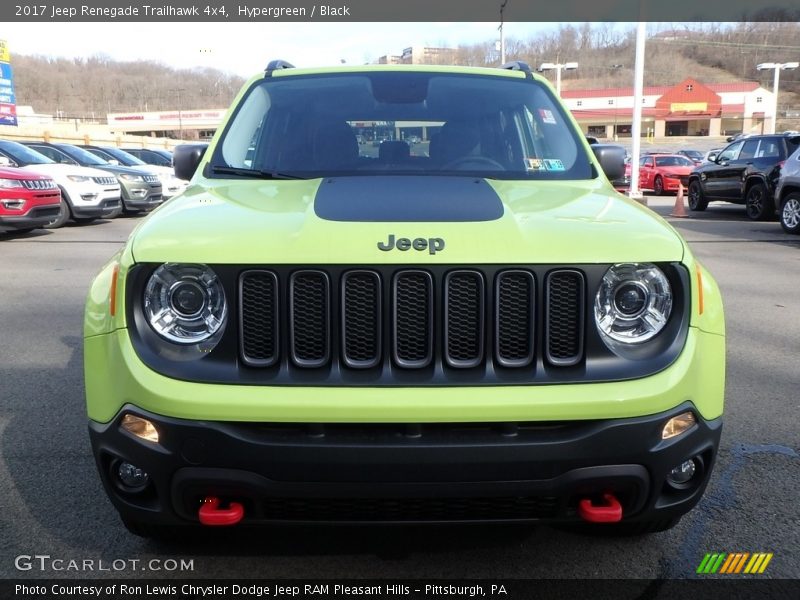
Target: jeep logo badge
[[433, 245]]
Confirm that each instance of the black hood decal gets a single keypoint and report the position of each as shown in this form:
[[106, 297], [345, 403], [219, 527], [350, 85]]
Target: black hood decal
[[414, 199]]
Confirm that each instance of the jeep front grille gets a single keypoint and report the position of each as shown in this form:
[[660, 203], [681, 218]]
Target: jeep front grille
[[410, 318], [39, 184]]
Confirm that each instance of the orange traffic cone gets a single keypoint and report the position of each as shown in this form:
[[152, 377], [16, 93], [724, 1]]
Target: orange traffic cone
[[679, 210]]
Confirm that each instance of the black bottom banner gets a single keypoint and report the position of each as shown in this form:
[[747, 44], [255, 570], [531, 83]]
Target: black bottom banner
[[516, 589]]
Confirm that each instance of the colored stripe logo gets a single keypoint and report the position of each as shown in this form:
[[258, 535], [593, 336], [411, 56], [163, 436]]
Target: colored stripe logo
[[734, 563]]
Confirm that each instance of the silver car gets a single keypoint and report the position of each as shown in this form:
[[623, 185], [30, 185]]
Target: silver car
[[787, 194]]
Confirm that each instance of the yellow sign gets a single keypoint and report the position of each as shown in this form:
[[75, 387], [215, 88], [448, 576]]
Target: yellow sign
[[4, 54], [688, 106]]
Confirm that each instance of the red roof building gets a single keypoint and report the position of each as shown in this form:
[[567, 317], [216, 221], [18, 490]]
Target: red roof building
[[685, 109]]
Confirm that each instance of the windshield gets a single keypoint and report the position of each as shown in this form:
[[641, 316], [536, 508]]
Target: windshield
[[23, 155], [673, 161], [84, 157], [402, 123], [123, 157]]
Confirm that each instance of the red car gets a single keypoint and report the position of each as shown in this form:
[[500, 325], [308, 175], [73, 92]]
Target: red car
[[663, 172], [27, 200]]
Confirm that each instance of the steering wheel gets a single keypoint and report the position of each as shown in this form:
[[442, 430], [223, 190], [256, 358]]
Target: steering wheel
[[467, 162]]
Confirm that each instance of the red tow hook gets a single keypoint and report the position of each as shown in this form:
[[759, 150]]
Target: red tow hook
[[211, 514], [610, 512]]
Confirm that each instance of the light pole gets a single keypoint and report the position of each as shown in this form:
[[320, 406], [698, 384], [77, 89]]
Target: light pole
[[777, 67], [502, 37], [178, 92], [616, 101], [558, 67]]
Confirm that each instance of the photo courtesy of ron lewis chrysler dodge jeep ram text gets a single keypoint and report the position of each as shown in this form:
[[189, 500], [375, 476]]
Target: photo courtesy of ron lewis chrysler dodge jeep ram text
[[403, 294]]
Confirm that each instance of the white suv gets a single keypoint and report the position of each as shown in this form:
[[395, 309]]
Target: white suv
[[170, 185], [86, 194]]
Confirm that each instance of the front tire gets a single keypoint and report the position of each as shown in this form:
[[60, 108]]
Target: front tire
[[758, 204], [697, 200], [63, 215], [658, 186], [790, 214]]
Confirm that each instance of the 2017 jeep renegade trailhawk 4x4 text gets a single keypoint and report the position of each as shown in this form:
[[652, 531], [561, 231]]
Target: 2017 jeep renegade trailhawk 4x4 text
[[403, 294]]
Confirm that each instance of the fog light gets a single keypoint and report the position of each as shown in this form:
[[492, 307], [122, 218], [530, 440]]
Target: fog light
[[141, 428], [132, 476], [677, 425], [683, 473]]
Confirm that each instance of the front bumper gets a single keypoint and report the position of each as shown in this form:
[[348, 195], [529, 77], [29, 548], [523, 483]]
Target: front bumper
[[405, 472], [38, 216], [141, 196]]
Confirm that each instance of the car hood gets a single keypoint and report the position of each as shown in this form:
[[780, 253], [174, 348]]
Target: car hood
[[279, 222], [685, 170], [59, 171], [119, 170]]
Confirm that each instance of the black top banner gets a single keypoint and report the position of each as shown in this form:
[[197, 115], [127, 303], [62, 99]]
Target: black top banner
[[402, 11]]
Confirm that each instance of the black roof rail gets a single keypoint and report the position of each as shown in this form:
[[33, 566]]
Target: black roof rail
[[518, 65], [275, 65]]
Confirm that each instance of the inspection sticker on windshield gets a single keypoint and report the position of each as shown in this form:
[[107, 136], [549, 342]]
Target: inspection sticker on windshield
[[553, 164], [534, 164], [547, 116]]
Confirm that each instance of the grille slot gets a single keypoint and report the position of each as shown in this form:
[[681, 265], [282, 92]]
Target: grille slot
[[258, 328], [565, 293], [412, 319], [309, 316], [514, 318], [464, 321], [410, 509], [105, 180], [361, 319]]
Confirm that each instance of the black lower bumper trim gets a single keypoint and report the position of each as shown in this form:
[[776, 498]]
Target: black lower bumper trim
[[405, 473]]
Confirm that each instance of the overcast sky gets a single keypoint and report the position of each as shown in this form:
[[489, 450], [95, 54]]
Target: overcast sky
[[245, 48]]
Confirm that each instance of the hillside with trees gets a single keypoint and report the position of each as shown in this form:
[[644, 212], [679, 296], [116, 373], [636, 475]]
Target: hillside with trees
[[711, 52]]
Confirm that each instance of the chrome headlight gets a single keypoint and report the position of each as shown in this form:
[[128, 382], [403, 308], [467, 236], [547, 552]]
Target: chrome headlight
[[130, 177], [185, 304], [10, 183], [633, 303]]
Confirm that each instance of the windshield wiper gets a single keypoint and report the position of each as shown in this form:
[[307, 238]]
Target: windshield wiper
[[253, 173]]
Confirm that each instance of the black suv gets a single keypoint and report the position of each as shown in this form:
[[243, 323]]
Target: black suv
[[745, 172]]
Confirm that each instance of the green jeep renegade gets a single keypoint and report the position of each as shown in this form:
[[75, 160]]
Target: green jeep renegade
[[403, 294]]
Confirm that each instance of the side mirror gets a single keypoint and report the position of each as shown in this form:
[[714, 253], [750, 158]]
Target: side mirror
[[186, 159], [611, 159], [113, 161], [6, 162], [712, 158]]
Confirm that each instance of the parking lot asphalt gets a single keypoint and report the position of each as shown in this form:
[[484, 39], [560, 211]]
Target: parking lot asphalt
[[52, 502]]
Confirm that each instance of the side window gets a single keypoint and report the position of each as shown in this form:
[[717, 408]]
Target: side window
[[769, 148], [749, 149], [730, 152], [55, 155]]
